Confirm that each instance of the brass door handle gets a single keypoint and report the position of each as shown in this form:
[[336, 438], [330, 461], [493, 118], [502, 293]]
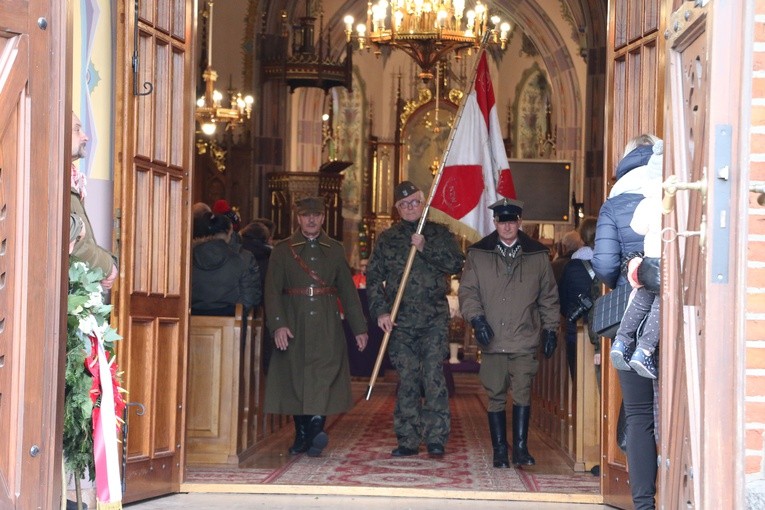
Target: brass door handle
[[671, 185]]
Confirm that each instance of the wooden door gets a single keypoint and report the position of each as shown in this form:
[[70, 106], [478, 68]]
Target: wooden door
[[152, 180], [701, 362], [635, 84], [34, 113]]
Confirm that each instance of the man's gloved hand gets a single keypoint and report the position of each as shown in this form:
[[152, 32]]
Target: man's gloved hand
[[550, 341], [483, 332], [649, 274]]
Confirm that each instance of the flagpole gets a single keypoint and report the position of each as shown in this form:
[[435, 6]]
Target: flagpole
[[424, 217]]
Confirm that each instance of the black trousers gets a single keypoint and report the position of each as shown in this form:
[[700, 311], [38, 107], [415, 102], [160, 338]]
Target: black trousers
[[637, 393]]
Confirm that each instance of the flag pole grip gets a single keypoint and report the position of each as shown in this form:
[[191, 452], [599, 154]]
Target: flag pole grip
[[424, 216]]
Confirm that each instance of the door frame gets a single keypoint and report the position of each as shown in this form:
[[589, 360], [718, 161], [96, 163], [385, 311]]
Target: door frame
[[37, 326]]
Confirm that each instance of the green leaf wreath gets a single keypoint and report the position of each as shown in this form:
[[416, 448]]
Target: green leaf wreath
[[85, 311]]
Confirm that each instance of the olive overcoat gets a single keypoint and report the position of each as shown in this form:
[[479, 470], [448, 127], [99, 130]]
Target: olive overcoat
[[312, 376], [518, 297]]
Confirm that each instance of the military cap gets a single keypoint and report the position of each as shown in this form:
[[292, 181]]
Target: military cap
[[310, 205], [507, 209], [404, 189]]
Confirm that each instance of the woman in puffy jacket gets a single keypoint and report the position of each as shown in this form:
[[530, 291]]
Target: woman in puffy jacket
[[221, 277], [615, 243]]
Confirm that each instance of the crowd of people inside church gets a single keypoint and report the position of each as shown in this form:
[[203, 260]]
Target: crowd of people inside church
[[517, 296]]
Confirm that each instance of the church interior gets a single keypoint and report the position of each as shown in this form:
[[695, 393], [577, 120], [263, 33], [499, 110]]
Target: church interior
[[297, 99]]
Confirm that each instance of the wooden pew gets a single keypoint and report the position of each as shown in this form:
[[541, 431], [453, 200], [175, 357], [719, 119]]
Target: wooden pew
[[566, 411], [224, 388]]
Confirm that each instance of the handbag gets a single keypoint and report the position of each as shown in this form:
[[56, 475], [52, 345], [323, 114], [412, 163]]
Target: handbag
[[608, 310]]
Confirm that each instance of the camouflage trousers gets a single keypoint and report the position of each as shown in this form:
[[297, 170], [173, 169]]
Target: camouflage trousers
[[422, 404]]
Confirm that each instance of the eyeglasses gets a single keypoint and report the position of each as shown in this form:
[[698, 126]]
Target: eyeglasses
[[411, 204]]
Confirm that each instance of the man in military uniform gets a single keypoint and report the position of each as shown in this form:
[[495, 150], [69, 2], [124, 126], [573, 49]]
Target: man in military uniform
[[308, 375], [419, 340], [508, 294]]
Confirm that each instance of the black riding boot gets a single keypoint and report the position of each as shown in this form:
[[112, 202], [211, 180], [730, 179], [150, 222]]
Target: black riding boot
[[318, 439], [498, 431], [521, 455], [301, 443]]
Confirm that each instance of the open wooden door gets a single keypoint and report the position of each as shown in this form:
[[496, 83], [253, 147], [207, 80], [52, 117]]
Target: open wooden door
[[35, 114], [154, 144], [633, 107], [701, 365]]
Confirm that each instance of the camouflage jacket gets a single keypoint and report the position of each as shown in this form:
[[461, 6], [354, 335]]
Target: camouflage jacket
[[424, 298]]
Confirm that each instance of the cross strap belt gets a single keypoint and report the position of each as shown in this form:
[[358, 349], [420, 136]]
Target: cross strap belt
[[310, 291]]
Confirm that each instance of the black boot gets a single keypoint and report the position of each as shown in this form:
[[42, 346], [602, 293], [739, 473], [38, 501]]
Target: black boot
[[498, 431], [318, 438], [521, 456], [301, 443]]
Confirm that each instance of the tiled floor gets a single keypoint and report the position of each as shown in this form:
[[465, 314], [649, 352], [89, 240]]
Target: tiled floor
[[204, 501]]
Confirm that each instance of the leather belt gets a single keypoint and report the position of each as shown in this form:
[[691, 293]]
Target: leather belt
[[310, 291]]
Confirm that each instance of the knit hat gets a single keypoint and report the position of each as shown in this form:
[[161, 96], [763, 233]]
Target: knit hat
[[221, 206]]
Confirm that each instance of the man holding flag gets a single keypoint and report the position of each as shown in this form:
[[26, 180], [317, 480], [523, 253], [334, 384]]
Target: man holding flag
[[419, 335]]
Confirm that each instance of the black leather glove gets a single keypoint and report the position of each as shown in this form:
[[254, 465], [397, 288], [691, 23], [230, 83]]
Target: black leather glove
[[483, 332], [649, 274], [550, 341]]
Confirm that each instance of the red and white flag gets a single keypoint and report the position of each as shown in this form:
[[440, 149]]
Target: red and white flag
[[476, 172]]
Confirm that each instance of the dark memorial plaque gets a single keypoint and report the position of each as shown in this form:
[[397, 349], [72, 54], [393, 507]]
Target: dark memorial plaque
[[544, 186]]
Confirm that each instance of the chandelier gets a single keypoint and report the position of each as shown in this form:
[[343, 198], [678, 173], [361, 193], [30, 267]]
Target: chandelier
[[427, 30], [302, 58], [210, 112]]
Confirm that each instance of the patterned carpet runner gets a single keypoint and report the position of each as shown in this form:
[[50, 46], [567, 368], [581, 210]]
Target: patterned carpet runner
[[359, 455]]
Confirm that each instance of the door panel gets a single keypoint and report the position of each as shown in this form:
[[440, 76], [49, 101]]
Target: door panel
[[635, 81], [153, 184], [15, 58], [701, 427], [32, 205]]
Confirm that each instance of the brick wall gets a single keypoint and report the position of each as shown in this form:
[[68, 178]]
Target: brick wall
[[755, 296]]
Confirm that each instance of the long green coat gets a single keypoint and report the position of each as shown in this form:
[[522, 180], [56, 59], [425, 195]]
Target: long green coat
[[312, 376]]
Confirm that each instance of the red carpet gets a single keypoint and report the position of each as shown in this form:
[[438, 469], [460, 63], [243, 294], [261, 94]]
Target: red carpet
[[359, 455]]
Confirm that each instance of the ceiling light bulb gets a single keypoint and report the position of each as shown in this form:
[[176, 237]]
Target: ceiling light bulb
[[208, 128]]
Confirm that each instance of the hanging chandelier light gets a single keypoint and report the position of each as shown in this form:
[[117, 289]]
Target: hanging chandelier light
[[301, 57], [210, 112], [427, 30]]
